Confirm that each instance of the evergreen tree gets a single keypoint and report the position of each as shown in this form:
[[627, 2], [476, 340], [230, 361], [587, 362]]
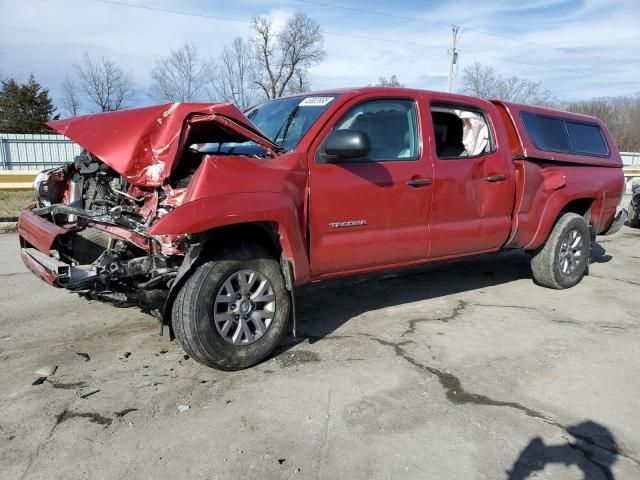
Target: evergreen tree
[[24, 108]]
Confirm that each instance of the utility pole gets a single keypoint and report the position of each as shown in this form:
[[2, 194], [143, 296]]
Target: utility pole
[[453, 53]]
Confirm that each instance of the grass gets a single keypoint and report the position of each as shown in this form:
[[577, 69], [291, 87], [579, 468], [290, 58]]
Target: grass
[[12, 202]]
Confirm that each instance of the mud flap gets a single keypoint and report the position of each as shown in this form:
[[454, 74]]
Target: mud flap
[[287, 272], [620, 219], [189, 260]]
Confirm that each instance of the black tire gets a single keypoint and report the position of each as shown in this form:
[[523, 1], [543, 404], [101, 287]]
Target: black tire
[[193, 310], [634, 221], [548, 262]]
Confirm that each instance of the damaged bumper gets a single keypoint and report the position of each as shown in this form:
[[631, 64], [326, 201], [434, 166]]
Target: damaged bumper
[[37, 231], [620, 219], [56, 272], [123, 266]]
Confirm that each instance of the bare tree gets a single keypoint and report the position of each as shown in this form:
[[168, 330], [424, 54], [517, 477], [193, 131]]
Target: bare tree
[[70, 97], [282, 58], [392, 81], [620, 114], [179, 77], [484, 82], [104, 84], [232, 76]]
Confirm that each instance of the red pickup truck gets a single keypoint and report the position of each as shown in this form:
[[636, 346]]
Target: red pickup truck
[[210, 218]]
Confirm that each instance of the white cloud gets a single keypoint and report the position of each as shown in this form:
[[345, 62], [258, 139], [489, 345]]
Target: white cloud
[[46, 38]]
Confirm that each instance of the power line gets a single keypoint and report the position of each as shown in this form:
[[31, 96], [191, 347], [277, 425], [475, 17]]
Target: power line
[[475, 52], [443, 24], [175, 12], [365, 37]]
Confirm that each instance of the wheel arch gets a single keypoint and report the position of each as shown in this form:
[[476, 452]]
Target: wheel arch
[[557, 205], [268, 219], [205, 244]]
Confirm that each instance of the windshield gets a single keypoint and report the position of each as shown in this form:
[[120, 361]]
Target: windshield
[[285, 121]]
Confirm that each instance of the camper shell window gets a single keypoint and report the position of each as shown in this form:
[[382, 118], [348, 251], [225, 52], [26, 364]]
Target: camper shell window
[[557, 134]]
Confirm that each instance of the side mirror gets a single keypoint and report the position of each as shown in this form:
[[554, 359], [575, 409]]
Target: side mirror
[[346, 144]]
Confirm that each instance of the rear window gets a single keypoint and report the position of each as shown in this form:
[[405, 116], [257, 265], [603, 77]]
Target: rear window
[[587, 138], [554, 134]]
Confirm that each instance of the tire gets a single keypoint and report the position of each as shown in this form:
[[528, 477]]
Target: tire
[[201, 331], [556, 266], [634, 220]]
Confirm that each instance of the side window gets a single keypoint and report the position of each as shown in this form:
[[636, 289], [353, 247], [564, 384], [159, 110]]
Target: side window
[[460, 132], [554, 134], [587, 139], [392, 127], [547, 133]]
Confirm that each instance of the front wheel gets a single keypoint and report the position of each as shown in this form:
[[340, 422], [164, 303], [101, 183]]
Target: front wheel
[[233, 311], [563, 259]]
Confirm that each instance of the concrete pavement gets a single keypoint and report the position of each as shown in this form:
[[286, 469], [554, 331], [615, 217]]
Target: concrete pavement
[[458, 371]]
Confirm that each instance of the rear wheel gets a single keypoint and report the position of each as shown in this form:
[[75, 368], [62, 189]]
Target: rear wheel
[[563, 259], [233, 311]]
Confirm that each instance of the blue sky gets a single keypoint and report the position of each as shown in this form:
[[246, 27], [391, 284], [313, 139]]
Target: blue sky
[[578, 49]]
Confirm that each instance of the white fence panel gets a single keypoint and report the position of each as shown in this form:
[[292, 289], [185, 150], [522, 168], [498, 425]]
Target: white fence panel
[[630, 159], [20, 151]]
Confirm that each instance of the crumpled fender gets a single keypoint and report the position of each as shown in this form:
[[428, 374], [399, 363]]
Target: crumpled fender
[[207, 213]]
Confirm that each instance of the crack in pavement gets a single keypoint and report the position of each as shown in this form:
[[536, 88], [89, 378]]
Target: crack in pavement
[[520, 307], [93, 417], [630, 282], [14, 274], [456, 312], [456, 394]]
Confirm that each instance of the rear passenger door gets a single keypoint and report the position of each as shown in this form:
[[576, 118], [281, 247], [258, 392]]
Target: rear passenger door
[[473, 180], [369, 212]]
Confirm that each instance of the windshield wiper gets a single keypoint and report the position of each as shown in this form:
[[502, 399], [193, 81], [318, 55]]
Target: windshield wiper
[[285, 126]]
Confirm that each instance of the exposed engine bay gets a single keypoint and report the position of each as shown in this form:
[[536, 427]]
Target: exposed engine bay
[[108, 253], [90, 230]]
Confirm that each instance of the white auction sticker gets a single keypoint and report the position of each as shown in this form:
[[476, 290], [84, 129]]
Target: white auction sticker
[[315, 101]]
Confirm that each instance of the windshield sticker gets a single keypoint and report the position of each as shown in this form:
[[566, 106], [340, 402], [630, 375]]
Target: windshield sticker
[[316, 101]]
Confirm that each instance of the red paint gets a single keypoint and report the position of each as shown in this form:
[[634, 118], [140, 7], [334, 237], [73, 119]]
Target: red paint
[[141, 144], [37, 231], [460, 213], [38, 269], [522, 145]]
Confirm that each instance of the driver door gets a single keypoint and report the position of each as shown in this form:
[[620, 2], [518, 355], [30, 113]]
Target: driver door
[[373, 211]]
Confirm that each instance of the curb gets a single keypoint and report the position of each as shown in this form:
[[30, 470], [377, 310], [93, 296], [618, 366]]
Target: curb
[[8, 227]]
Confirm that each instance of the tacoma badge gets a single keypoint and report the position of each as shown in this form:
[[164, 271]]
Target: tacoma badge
[[350, 223]]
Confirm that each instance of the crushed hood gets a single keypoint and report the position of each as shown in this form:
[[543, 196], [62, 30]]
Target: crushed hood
[[143, 144]]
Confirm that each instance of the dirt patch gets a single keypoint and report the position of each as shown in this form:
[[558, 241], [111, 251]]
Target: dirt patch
[[291, 359], [12, 202]]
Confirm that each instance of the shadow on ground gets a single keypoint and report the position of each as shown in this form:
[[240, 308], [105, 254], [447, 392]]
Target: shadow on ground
[[594, 451], [323, 307]]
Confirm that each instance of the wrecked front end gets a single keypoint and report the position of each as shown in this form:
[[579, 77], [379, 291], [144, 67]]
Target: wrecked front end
[[89, 233], [89, 230]]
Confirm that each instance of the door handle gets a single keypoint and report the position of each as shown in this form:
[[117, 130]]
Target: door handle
[[495, 178], [418, 182]]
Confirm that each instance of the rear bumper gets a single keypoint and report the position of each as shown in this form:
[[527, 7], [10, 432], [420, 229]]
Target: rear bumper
[[619, 220]]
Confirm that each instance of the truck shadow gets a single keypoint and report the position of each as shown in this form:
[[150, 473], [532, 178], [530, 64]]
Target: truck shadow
[[594, 451], [323, 307]]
